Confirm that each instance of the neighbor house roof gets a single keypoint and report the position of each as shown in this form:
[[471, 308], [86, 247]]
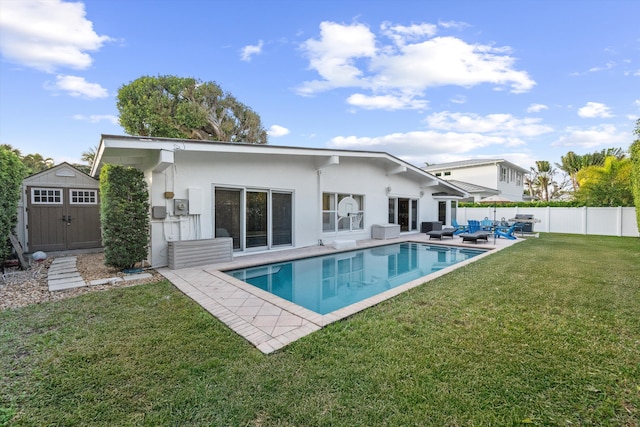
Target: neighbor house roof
[[473, 188], [471, 163]]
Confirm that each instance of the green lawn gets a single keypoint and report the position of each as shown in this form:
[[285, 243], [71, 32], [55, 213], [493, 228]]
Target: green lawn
[[546, 332]]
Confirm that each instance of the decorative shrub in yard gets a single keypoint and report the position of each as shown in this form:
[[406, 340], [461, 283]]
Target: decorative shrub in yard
[[12, 172], [124, 214], [635, 170]]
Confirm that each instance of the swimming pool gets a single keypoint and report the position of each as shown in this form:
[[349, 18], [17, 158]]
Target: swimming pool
[[327, 283]]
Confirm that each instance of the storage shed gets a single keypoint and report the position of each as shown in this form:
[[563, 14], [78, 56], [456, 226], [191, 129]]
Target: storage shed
[[59, 210]]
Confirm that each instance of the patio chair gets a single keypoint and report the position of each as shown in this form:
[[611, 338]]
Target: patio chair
[[474, 225], [486, 224], [459, 228], [507, 233]]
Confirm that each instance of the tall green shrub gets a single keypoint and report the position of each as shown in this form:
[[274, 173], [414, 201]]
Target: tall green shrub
[[12, 172], [635, 171], [124, 213]]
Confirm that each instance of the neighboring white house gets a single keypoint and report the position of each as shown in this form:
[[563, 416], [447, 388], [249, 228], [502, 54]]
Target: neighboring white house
[[483, 178], [269, 197]]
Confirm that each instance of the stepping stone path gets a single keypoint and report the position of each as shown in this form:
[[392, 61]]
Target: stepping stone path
[[63, 274]]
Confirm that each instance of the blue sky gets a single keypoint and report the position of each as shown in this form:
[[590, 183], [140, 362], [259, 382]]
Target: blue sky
[[426, 81]]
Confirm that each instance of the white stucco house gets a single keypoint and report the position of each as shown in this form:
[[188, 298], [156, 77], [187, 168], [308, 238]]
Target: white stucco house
[[484, 177], [266, 197]]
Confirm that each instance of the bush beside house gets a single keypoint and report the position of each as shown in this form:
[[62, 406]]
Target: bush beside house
[[12, 172], [124, 214]]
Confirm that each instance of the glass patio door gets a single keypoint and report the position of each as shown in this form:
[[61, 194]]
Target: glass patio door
[[256, 219], [227, 215]]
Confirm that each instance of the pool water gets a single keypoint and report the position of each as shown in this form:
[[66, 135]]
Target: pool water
[[327, 283]]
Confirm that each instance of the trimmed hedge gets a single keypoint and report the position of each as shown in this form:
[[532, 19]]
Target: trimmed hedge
[[635, 171], [124, 213], [12, 172]]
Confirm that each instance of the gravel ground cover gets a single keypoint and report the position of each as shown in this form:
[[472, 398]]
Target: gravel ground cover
[[22, 288]]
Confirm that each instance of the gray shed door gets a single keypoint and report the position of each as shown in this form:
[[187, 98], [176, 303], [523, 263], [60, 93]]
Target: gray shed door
[[63, 218]]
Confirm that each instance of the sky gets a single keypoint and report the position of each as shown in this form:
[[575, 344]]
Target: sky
[[426, 81]]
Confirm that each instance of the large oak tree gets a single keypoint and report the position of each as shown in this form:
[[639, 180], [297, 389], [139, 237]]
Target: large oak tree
[[179, 107]]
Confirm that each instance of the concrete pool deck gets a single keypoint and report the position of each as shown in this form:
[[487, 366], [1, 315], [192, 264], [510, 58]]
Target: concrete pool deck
[[270, 322]]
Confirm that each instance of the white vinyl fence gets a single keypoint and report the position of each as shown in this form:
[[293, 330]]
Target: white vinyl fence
[[602, 221]]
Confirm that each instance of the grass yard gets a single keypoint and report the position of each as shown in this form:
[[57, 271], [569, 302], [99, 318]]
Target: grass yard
[[546, 333]]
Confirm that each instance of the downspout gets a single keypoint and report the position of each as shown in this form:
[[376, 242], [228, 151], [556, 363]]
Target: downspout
[[319, 206]]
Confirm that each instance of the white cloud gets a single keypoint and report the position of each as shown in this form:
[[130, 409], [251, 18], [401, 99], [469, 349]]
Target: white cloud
[[594, 109], [97, 118], [334, 55], [401, 34], [454, 136], [352, 56], [421, 146], [536, 108], [385, 102], [598, 136], [48, 34], [494, 124], [459, 99], [277, 131], [608, 66], [249, 51], [78, 86]]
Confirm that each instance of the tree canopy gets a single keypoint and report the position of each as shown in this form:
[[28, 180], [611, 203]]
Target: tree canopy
[[33, 163], [177, 107], [571, 163], [606, 185]]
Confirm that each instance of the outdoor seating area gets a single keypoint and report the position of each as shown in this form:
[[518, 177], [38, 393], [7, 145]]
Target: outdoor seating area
[[476, 230]]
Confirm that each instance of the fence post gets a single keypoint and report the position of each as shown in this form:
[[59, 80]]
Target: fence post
[[548, 230], [584, 219], [619, 220]]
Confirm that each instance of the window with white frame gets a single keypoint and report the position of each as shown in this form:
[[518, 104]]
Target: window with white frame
[[342, 212], [41, 196], [503, 174], [83, 197]]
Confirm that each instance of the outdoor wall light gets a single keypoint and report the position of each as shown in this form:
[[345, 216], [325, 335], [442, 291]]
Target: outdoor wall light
[[388, 189]]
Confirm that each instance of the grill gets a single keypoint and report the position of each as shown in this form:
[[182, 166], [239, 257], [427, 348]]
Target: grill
[[527, 222]]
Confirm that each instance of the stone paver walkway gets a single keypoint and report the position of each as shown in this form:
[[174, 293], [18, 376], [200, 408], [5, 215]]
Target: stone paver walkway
[[63, 274]]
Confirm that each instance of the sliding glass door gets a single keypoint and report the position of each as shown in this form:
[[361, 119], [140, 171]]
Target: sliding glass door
[[403, 212], [227, 214], [281, 218], [254, 218]]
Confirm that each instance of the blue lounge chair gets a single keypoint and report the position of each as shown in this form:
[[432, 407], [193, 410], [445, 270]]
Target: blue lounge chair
[[459, 228], [507, 233]]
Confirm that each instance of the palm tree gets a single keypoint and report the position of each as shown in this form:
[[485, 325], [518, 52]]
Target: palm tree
[[606, 185], [543, 181], [571, 164], [36, 163]]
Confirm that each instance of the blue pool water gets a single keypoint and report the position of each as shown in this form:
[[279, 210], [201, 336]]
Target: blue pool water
[[327, 283]]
